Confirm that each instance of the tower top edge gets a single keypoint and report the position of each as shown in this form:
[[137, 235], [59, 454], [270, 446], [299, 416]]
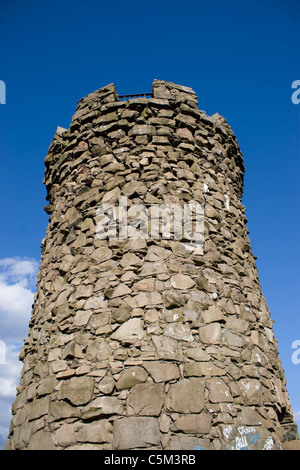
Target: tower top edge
[[159, 87], [163, 92]]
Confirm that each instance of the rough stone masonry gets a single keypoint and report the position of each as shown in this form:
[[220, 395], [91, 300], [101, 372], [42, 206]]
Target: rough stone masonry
[[144, 342]]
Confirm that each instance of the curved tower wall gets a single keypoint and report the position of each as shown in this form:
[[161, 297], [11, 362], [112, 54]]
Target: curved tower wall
[[142, 336]]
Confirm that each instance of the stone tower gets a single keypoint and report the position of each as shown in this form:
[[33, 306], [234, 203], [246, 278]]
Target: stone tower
[[143, 338]]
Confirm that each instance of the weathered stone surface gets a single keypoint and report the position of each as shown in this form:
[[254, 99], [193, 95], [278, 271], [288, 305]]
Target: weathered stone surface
[[164, 423], [121, 314], [65, 435], [193, 423], [157, 253], [97, 432], [102, 406], [292, 445], [174, 299], [41, 440], [153, 268], [103, 253], [130, 259], [131, 377], [162, 372], [186, 396], [179, 331], [195, 369], [198, 354], [47, 385], [38, 408], [95, 303], [131, 329], [247, 438], [181, 281], [183, 442], [250, 417], [135, 432], [107, 384], [251, 391], [61, 409], [192, 311], [82, 318], [134, 187], [143, 299], [167, 348], [219, 391], [77, 390], [233, 339], [98, 350], [145, 400], [210, 334], [212, 314], [142, 129], [120, 291]]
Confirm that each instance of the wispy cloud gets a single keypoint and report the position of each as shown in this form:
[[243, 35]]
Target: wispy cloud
[[18, 271], [297, 416], [17, 287]]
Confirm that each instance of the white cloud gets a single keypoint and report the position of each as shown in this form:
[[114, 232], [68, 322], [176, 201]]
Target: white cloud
[[10, 372], [17, 287], [14, 299], [297, 416], [18, 271]]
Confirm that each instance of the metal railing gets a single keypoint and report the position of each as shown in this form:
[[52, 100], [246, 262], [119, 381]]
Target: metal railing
[[136, 95]]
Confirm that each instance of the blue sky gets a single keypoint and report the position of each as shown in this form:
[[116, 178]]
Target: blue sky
[[241, 58]]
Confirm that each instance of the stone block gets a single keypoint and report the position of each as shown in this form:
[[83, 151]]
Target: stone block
[[182, 282], [130, 330], [38, 408], [65, 435], [251, 390], [131, 377], [167, 348], [77, 390], [41, 440], [179, 331], [145, 399], [193, 423], [62, 410], [162, 372], [102, 406], [186, 396], [210, 334], [201, 369], [219, 391], [249, 417], [135, 433], [97, 432]]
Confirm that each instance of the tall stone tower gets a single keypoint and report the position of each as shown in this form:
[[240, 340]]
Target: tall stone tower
[[142, 336]]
